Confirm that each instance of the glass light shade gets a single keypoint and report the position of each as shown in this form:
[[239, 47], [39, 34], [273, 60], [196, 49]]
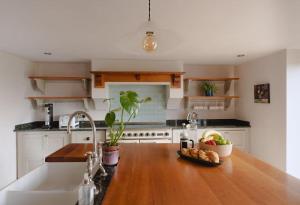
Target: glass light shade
[[150, 43]]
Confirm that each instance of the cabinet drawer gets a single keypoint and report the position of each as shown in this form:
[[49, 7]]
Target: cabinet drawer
[[82, 139]]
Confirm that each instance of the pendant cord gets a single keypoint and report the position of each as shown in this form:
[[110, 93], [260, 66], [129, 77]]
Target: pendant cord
[[149, 10]]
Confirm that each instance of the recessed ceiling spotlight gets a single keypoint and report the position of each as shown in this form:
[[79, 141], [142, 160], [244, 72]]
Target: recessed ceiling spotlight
[[47, 53], [241, 55]]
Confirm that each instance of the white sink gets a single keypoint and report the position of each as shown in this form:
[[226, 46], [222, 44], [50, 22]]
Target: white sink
[[51, 183]]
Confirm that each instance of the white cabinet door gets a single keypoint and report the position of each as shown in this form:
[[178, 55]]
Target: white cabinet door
[[34, 147], [30, 152], [53, 142], [239, 138], [176, 135]]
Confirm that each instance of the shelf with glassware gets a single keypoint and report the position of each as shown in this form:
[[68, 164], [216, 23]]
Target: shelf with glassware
[[209, 93]]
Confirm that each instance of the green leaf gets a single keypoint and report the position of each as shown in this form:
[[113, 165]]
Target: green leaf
[[110, 118], [129, 101]]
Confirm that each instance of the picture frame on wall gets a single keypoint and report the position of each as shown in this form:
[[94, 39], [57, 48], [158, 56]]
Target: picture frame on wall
[[262, 93]]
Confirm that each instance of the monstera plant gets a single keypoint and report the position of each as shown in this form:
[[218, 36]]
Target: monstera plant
[[130, 103]]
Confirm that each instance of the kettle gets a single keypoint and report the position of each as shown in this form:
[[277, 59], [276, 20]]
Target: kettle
[[185, 142]]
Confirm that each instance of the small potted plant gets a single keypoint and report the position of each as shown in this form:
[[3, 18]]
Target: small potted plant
[[209, 88], [130, 103]]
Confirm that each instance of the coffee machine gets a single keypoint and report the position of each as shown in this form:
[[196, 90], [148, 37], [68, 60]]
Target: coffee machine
[[48, 116]]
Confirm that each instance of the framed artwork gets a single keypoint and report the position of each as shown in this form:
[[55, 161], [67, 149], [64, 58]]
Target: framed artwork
[[262, 93]]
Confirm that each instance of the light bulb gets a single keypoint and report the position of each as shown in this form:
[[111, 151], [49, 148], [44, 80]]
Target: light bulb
[[150, 43]]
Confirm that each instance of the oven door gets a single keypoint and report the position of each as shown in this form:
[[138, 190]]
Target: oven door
[[156, 141]]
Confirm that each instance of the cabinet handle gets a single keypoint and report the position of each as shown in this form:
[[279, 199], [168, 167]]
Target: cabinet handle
[[87, 139]]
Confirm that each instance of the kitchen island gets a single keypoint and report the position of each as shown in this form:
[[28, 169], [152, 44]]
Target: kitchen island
[[153, 174]]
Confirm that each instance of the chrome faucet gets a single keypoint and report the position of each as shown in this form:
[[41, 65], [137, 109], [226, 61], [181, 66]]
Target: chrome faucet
[[97, 148], [192, 119]]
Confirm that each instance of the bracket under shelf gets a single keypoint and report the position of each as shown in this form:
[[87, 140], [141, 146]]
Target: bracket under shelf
[[39, 82], [41, 100]]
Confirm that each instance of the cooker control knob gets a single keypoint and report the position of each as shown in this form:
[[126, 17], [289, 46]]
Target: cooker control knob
[[129, 135], [167, 134], [153, 134], [147, 134], [135, 134]]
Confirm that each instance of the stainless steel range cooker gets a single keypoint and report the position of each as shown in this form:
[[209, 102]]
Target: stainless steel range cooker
[[153, 135]]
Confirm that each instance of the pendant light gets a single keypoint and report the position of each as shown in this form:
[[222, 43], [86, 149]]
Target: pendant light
[[150, 43]]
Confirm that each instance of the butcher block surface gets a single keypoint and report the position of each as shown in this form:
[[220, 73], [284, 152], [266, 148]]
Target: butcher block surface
[[153, 174]]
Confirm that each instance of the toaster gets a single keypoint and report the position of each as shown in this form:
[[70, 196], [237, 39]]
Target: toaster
[[64, 119]]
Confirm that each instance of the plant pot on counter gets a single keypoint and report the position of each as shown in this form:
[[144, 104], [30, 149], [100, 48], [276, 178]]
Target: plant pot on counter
[[111, 154]]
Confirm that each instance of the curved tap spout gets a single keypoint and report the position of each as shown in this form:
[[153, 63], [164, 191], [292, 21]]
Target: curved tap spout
[[97, 148], [82, 113]]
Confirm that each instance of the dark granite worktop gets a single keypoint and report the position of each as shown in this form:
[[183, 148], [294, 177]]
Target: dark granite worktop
[[173, 124]]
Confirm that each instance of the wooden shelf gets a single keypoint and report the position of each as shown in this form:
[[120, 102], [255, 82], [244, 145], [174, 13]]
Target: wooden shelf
[[102, 77], [210, 79], [59, 77], [211, 97], [40, 100], [58, 97], [39, 82]]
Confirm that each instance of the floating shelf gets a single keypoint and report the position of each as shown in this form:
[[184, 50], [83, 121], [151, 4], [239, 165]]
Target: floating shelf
[[211, 97], [227, 81], [209, 102], [59, 77], [40, 81], [40, 100]]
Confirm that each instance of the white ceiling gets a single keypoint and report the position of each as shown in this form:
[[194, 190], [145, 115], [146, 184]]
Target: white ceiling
[[207, 31]]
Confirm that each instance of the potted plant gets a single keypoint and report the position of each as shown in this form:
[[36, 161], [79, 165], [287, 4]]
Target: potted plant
[[209, 88], [129, 103]]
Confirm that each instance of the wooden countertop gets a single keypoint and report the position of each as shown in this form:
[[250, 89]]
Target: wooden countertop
[[70, 153], [152, 174]]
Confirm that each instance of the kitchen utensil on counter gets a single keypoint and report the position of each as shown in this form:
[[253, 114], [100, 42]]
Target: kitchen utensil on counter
[[48, 115]]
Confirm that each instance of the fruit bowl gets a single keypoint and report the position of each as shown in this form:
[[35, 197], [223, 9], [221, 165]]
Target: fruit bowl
[[222, 150]]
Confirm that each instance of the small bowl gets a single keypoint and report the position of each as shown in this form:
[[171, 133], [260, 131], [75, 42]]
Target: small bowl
[[222, 150]]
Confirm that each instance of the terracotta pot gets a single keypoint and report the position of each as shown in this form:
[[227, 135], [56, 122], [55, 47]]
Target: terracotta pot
[[111, 154]]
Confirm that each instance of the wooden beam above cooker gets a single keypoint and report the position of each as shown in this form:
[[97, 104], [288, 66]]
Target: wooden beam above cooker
[[101, 77]]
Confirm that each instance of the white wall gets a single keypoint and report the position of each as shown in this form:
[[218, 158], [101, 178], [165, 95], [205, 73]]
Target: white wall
[[136, 65], [268, 121], [293, 112], [15, 109]]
